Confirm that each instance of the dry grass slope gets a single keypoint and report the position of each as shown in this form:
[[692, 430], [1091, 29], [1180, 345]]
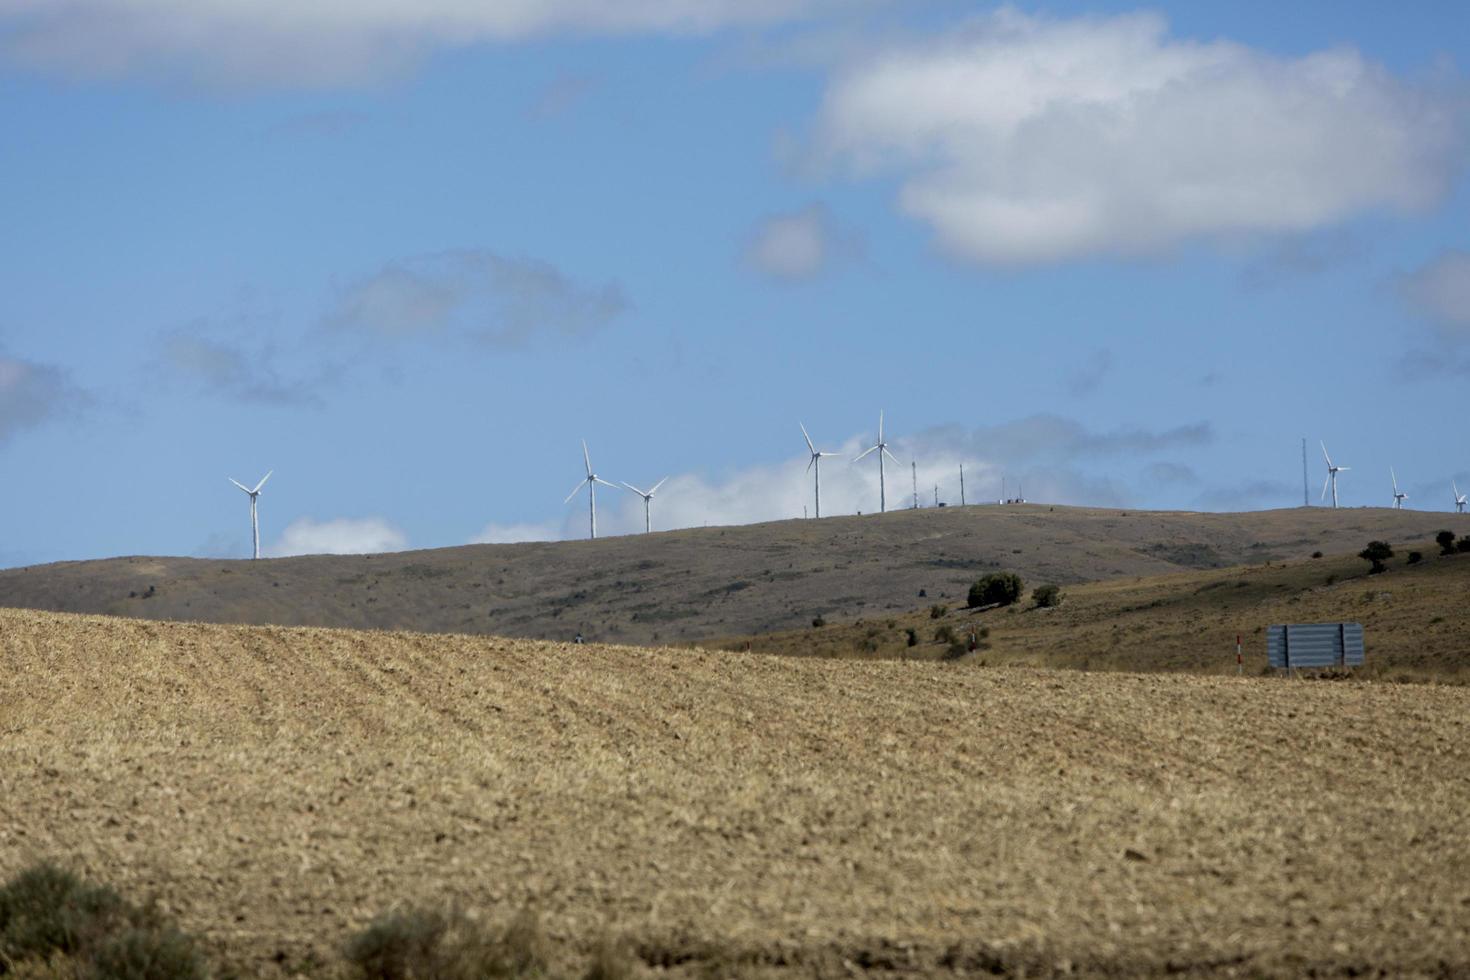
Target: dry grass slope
[[1416, 616], [276, 788], [687, 586]]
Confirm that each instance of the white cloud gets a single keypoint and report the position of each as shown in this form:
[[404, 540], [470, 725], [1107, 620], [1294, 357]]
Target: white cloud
[[326, 41], [342, 536], [1441, 289], [798, 245], [477, 295], [1021, 139], [517, 533]]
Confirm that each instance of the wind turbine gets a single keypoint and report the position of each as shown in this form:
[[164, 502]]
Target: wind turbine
[[254, 517], [590, 482], [882, 450], [815, 467], [647, 496], [1398, 496], [1459, 498], [1332, 472]]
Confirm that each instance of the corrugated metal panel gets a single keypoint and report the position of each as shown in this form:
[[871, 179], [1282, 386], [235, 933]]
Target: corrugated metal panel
[[1315, 645]]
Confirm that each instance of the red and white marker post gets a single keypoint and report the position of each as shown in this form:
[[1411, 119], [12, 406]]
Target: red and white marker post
[[1239, 664]]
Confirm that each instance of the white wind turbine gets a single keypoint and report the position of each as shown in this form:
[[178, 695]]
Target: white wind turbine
[[647, 496], [1459, 498], [882, 450], [590, 482], [254, 516], [815, 466], [1332, 472], [1398, 495]]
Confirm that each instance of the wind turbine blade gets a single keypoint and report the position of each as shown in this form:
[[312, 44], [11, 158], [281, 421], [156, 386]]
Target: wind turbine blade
[[824, 455], [635, 490], [262, 482], [880, 426], [1325, 456], [864, 453], [808, 439], [657, 485], [586, 457], [812, 462], [575, 490], [890, 455], [598, 479], [1394, 477], [239, 484], [1343, 469], [1324, 485]]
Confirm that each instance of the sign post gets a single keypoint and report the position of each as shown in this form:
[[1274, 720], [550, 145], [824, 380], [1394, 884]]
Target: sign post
[[1239, 664]]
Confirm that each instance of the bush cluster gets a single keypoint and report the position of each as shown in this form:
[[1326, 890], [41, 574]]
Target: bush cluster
[[1377, 552], [48, 913], [996, 589], [427, 944], [1046, 596]]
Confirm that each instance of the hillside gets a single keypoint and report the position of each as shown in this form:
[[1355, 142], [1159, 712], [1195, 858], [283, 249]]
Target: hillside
[[1416, 617], [690, 585], [729, 815]]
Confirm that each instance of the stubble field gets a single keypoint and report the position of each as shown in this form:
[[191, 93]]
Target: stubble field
[[276, 788]]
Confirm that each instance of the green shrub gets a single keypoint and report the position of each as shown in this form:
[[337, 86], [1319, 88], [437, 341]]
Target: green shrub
[[1316, 554], [945, 634], [818, 622], [1377, 552], [996, 589], [1415, 557], [610, 961], [47, 912], [1463, 545], [913, 637], [1046, 596], [425, 944], [1446, 542], [938, 611]]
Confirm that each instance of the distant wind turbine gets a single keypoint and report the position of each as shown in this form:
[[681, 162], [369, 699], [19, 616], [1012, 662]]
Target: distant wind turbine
[[882, 450], [1398, 495], [254, 516], [590, 482], [647, 496], [815, 467], [1459, 498], [1332, 472]]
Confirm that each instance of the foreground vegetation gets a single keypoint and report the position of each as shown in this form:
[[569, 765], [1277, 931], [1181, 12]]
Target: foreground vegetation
[[272, 792]]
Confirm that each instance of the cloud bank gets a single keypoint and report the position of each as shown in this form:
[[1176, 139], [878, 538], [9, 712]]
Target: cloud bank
[[1024, 140], [342, 536], [326, 42], [478, 296]]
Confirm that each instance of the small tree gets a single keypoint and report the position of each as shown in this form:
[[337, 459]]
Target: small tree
[[996, 589], [938, 611], [1415, 557], [1463, 545], [1377, 552], [1046, 596], [1446, 542]]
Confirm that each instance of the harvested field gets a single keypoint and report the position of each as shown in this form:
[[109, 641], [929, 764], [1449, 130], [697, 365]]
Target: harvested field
[[275, 788]]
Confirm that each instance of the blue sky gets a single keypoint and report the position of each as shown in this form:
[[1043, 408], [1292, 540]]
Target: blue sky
[[408, 255]]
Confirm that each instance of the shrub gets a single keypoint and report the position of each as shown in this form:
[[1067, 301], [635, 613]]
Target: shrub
[[1415, 557], [996, 589], [1046, 596], [1446, 542], [818, 622], [610, 961], [1463, 545], [1316, 554], [938, 611], [419, 944], [1377, 552], [48, 912], [945, 634], [913, 637]]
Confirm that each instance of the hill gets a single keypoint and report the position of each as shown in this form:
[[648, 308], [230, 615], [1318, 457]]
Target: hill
[[1416, 618], [689, 585], [276, 788]]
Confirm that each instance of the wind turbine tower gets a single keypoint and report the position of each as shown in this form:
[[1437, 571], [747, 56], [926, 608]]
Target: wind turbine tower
[[1459, 498], [1332, 472], [647, 496], [1398, 495], [815, 467], [962, 484], [914, 472], [590, 482], [254, 516], [882, 450]]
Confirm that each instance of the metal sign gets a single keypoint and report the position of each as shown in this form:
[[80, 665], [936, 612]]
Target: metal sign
[[1315, 645]]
